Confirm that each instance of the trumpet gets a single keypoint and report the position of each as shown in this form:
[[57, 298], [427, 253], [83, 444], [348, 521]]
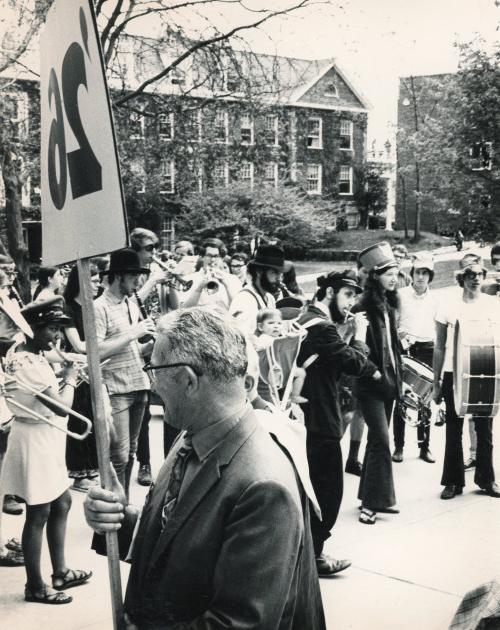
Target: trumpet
[[36, 415], [176, 282], [212, 285]]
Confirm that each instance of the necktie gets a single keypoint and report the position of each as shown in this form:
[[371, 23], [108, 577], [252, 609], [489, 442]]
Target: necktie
[[176, 476]]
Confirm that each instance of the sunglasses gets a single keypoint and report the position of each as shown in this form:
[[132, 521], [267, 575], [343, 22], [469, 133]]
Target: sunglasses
[[149, 248]]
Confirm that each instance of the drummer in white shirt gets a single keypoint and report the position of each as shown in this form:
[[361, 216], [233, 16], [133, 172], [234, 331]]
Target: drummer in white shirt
[[470, 304], [418, 308]]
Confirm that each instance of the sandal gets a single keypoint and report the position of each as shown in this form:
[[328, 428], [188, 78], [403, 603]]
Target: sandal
[[12, 559], [46, 597], [14, 545], [70, 578], [367, 517]]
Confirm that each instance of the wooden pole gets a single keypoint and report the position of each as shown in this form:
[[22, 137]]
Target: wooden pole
[[101, 433]]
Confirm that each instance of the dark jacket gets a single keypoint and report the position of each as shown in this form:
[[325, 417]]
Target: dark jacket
[[376, 338], [335, 358], [236, 551]]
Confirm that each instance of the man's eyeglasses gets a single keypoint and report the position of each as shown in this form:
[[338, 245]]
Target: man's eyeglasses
[[149, 248], [474, 274], [150, 369], [212, 255]]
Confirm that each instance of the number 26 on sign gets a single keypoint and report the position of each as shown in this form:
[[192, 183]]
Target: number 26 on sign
[[85, 172]]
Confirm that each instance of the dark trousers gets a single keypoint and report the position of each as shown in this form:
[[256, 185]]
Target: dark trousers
[[327, 477], [422, 352], [143, 454], [453, 468], [376, 487], [81, 456]]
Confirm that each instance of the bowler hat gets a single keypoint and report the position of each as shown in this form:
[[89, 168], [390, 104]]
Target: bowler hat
[[269, 256], [377, 257], [45, 312], [125, 261]]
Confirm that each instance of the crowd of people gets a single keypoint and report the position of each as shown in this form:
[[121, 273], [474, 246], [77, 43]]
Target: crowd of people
[[259, 385]]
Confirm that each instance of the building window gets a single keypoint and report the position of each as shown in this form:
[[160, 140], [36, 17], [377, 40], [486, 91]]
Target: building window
[[194, 124], [346, 135], [166, 126], [221, 175], [246, 174], [167, 175], [221, 126], [271, 174], [246, 129], [345, 180], [200, 178], [136, 126], [272, 130], [233, 80], [331, 90], [139, 176], [178, 77], [314, 133], [481, 154], [314, 173]]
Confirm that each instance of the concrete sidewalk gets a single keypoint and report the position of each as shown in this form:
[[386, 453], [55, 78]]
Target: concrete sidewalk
[[409, 571]]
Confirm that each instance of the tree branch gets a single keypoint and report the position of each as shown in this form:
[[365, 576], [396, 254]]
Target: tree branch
[[204, 44], [111, 22]]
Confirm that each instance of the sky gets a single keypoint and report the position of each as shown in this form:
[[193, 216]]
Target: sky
[[375, 41]]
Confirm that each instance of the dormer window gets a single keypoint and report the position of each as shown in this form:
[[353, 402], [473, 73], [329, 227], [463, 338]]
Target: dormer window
[[331, 90]]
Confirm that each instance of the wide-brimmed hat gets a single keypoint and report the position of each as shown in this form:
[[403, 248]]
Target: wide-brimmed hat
[[269, 256], [337, 280], [470, 260], [377, 257], [45, 312], [125, 261]]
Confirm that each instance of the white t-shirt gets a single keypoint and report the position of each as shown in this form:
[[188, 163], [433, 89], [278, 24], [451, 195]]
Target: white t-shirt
[[417, 314], [455, 308], [245, 306]]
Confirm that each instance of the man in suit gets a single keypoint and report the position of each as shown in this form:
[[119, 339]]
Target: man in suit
[[221, 541]]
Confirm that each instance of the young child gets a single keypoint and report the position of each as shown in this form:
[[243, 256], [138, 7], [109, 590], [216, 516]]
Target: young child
[[269, 328]]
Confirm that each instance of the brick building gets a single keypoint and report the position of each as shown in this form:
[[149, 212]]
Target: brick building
[[221, 117]]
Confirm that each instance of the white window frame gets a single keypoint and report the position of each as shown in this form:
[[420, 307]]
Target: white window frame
[[319, 179], [350, 134], [272, 129], [332, 93], [170, 117], [200, 178], [247, 118], [195, 124], [247, 180], [224, 166], [315, 138], [225, 114], [342, 180], [489, 146], [170, 164], [178, 77], [138, 169], [274, 179]]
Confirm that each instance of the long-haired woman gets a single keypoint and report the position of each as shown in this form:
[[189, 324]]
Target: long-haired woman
[[377, 398]]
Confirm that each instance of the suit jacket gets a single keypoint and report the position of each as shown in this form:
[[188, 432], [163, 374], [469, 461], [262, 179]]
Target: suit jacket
[[236, 551], [322, 412]]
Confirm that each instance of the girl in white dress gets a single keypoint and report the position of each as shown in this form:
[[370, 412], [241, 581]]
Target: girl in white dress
[[34, 466]]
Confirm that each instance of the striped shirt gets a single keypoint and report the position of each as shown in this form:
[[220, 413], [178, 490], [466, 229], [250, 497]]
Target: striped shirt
[[115, 317]]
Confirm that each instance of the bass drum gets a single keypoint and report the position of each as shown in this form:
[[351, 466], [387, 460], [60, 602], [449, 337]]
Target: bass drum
[[476, 367]]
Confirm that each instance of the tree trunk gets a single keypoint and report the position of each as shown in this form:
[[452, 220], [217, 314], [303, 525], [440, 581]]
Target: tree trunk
[[13, 184], [416, 234], [405, 214]]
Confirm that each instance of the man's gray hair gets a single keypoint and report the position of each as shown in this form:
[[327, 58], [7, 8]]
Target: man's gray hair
[[207, 340], [139, 235]]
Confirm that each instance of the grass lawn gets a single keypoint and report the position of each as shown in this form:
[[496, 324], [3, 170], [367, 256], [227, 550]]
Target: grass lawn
[[357, 240]]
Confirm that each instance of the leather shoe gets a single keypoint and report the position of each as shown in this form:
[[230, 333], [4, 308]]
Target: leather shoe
[[492, 490], [144, 477], [354, 467], [449, 492], [327, 566], [11, 506], [426, 455], [397, 456]]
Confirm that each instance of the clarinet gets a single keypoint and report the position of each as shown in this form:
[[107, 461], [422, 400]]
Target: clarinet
[[144, 315]]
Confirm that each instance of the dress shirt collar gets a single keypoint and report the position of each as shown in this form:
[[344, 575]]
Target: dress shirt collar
[[323, 308], [208, 439]]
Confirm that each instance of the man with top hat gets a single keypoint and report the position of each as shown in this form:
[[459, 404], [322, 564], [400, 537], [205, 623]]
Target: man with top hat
[[491, 285], [417, 313], [264, 274], [119, 328], [471, 304], [324, 422]]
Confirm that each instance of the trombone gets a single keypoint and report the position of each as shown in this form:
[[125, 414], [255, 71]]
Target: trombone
[[177, 282], [82, 366]]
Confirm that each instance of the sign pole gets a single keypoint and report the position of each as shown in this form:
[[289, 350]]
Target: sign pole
[[101, 432]]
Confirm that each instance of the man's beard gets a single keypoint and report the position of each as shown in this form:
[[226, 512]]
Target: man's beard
[[335, 314], [268, 286]]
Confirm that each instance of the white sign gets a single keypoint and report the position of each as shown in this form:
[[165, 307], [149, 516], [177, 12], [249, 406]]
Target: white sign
[[83, 211]]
